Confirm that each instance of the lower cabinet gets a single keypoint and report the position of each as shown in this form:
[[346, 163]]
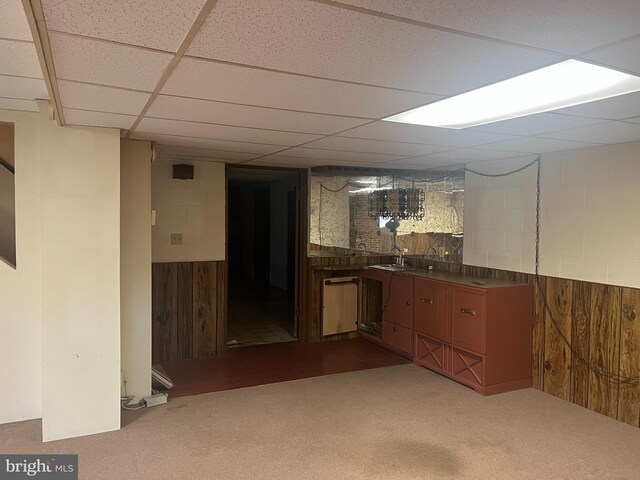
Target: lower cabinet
[[397, 337]]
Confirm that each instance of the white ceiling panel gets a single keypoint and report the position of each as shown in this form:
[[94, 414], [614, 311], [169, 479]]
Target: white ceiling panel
[[19, 58], [402, 132], [298, 162], [322, 40], [536, 124], [160, 24], [96, 61], [99, 98], [98, 119], [18, 104], [341, 155], [615, 108], [375, 146], [13, 21], [568, 26], [473, 154], [184, 152], [222, 132], [19, 87], [236, 84], [203, 143], [623, 55], [189, 109], [607, 132], [537, 145]]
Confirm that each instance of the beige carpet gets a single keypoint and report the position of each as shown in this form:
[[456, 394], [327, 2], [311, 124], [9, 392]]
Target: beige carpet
[[399, 422]]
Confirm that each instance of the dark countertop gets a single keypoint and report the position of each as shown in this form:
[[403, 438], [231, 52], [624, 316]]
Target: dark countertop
[[457, 278]]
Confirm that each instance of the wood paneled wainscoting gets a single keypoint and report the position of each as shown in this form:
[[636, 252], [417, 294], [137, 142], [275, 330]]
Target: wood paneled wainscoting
[[188, 310], [602, 325]]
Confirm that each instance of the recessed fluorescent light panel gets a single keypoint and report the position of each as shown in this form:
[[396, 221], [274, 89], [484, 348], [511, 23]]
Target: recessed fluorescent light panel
[[558, 86]]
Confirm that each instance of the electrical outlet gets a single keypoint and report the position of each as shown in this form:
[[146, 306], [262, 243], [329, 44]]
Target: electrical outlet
[[176, 239]]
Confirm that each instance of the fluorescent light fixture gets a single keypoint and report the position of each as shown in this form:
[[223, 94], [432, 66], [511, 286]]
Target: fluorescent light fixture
[[564, 84]]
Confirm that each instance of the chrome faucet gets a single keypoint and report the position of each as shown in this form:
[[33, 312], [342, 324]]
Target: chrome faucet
[[435, 251], [400, 259], [364, 250]]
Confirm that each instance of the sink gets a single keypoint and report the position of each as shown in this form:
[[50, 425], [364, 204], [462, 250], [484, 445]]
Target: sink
[[393, 267]]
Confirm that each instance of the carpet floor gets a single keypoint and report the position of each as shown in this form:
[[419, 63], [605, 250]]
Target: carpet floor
[[400, 422]]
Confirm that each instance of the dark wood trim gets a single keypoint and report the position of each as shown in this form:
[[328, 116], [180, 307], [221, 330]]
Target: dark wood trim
[[7, 165]]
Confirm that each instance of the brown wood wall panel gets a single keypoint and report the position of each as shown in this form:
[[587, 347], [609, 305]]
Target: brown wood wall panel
[[164, 311], [184, 292], [538, 333], [204, 309], [189, 310], [557, 354], [580, 335], [606, 302], [629, 396]]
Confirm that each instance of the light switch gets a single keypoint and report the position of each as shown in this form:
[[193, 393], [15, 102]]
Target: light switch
[[176, 239]]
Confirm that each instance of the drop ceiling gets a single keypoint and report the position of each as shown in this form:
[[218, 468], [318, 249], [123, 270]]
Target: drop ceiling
[[305, 83]]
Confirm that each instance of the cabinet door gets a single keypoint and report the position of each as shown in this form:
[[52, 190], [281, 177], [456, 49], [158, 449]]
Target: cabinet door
[[431, 308], [431, 353], [467, 368], [468, 320], [397, 337], [397, 300]]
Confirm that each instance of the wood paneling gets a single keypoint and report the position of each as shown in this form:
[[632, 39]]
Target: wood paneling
[[538, 334], [629, 396], [580, 334], [189, 310], [557, 353]]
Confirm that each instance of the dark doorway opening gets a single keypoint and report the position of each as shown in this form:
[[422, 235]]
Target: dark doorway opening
[[262, 237]]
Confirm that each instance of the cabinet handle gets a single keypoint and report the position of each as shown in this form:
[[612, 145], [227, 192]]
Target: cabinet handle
[[468, 310], [408, 302], [395, 329], [427, 300]]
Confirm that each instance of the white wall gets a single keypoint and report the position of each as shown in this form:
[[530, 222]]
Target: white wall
[[196, 208], [590, 216], [20, 288], [80, 189], [135, 266]]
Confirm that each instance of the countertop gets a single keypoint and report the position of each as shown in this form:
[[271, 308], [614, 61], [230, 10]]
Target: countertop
[[457, 278]]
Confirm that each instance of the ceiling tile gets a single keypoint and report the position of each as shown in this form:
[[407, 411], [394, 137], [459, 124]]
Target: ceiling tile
[[175, 152], [98, 119], [614, 108], [160, 24], [297, 162], [223, 132], [13, 21], [99, 98], [536, 124], [342, 155], [623, 55], [607, 132], [237, 84], [537, 145], [569, 26], [18, 104], [402, 132], [19, 58], [193, 110], [95, 61], [375, 146], [322, 40], [20, 87], [203, 143], [472, 154]]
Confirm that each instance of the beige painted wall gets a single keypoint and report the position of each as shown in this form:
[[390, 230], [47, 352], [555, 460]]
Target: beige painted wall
[[195, 208], [590, 216], [80, 191], [135, 266], [20, 288]]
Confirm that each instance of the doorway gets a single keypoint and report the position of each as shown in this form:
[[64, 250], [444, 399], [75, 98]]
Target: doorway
[[263, 233]]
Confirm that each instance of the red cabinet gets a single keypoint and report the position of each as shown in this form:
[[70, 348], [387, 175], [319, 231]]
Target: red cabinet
[[477, 335]]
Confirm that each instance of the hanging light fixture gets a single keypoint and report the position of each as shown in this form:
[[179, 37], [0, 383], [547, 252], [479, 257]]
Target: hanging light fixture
[[398, 203]]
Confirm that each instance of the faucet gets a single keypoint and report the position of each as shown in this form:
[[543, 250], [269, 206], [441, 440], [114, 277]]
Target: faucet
[[362, 244], [399, 260], [435, 251]]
